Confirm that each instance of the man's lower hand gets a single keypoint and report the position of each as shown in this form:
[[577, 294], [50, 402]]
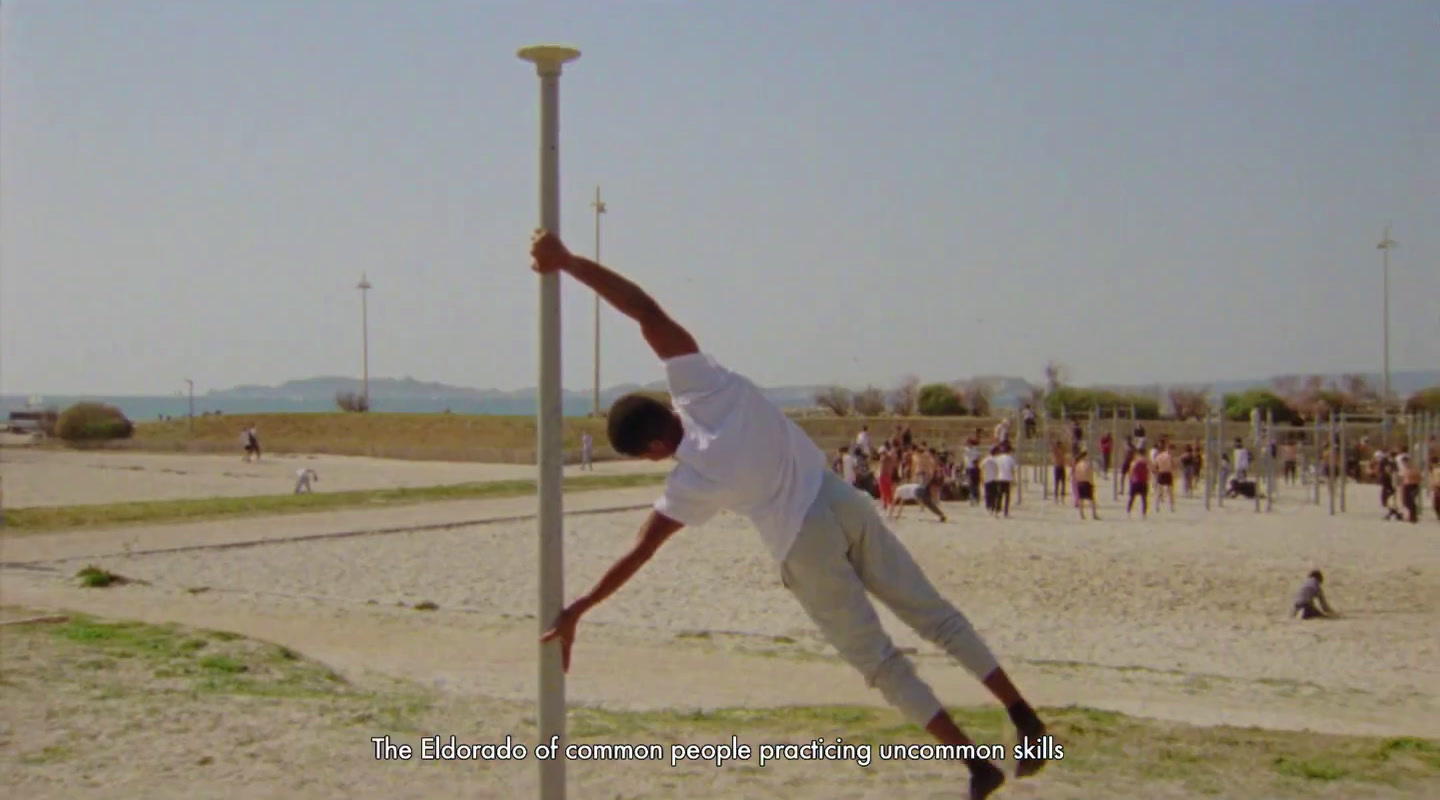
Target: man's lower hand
[[563, 629]]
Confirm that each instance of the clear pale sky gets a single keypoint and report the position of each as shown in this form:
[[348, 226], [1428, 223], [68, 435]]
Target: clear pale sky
[[837, 191]]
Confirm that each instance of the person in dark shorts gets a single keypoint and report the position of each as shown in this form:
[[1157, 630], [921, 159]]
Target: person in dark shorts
[[1084, 475], [1310, 600], [1164, 476], [1057, 455], [251, 441], [1139, 484]]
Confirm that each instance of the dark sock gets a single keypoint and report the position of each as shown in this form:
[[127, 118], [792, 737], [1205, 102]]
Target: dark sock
[[1024, 717]]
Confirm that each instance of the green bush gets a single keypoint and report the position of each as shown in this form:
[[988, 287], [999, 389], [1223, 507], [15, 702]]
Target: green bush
[[939, 400], [1069, 400], [1425, 401], [93, 422], [1238, 406]]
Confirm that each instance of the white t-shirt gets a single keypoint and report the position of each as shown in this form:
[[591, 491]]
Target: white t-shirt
[[863, 440], [847, 467], [989, 468], [972, 454], [586, 443], [908, 491], [1007, 465], [740, 453], [1242, 458]]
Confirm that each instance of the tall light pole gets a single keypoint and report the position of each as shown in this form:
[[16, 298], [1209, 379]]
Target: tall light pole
[[1385, 246], [599, 206], [549, 60], [191, 385], [364, 287]]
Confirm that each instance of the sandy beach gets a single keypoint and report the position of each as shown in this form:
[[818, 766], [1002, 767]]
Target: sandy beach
[[1180, 617]]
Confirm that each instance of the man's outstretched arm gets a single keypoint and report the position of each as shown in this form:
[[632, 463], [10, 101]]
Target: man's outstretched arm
[[664, 335], [656, 530]]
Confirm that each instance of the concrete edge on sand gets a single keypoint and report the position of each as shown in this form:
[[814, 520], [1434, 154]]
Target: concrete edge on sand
[[310, 537]]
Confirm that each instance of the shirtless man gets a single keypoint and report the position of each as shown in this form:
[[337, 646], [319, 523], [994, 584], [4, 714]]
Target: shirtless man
[[1435, 484], [1290, 455], [926, 476], [1084, 475], [1164, 477], [1139, 485], [1410, 486], [1057, 457]]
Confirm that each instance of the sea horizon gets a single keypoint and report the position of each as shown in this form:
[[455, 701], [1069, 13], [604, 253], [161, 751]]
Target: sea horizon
[[149, 408]]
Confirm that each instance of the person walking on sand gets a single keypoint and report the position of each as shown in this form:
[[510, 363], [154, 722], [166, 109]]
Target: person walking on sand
[[990, 472], [1410, 477], [1139, 485], [1435, 484], [587, 452], [1007, 469], [250, 440], [1084, 476], [1057, 456], [1164, 476], [738, 451], [888, 466]]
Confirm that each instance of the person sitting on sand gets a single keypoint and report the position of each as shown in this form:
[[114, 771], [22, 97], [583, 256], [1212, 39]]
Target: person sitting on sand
[[1084, 476], [738, 451], [1310, 600], [303, 478]]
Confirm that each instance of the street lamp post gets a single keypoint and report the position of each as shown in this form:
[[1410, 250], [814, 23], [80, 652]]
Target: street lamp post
[[191, 386], [1386, 245], [599, 206], [364, 287]]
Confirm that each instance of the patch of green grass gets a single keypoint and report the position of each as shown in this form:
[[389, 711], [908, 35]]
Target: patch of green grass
[[1207, 761], [93, 577], [102, 515], [200, 661]]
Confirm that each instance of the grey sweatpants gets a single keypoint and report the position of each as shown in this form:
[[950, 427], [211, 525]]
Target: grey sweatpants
[[845, 551]]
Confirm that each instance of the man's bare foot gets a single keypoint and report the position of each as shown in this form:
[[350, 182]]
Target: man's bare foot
[[985, 781], [1033, 745]]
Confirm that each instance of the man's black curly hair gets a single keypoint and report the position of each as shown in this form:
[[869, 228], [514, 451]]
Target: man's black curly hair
[[635, 421]]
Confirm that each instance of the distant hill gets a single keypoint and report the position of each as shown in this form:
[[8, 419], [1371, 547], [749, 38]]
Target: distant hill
[[1006, 391]]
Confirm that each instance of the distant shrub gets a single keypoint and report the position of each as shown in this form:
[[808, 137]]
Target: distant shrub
[[1238, 406], [939, 400], [1069, 401], [868, 402], [1425, 401], [352, 401], [93, 422]]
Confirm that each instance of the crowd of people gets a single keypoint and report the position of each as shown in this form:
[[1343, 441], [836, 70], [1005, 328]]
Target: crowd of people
[[985, 469]]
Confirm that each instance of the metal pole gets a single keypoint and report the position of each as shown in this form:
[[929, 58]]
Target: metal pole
[[1341, 459], [599, 206], [191, 384], [1114, 440], [364, 287], [1385, 246], [1205, 454], [1331, 433], [549, 61], [1220, 485], [1269, 460]]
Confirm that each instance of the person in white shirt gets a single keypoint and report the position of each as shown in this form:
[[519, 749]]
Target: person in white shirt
[[587, 452], [990, 473], [862, 440], [737, 451], [1241, 461], [1007, 468], [303, 478], [972, 470], [847, 465]]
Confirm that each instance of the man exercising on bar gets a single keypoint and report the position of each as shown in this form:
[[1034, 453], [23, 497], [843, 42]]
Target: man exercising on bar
[[737, 451]]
